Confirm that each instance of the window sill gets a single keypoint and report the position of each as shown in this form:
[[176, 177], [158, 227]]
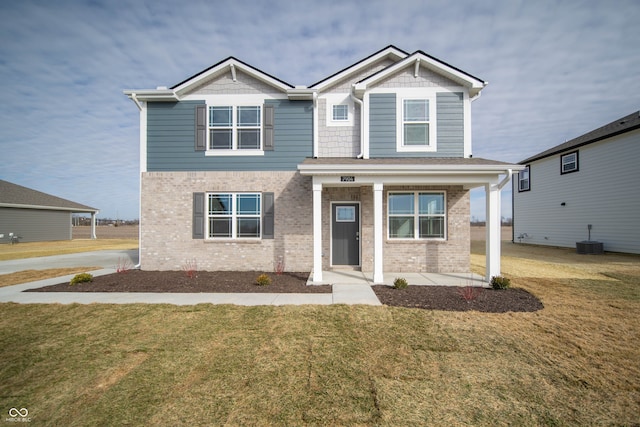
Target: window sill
[[232, 241], [221, 153], [409, 241], [416, 149]]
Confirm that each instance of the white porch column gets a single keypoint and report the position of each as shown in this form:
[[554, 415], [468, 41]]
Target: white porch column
[[493, 222], [378, 260], [317, 231], [93, 225]]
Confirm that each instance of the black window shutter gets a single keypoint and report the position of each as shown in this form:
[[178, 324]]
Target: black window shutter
[[201, 128], [267, 127], [198, 215], [267, 215]]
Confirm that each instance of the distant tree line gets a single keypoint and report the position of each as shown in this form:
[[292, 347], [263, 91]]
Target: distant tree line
[[83, 220], [506, 222]]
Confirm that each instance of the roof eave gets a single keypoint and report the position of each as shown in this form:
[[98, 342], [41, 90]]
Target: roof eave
[[50, 208], [159, 95]]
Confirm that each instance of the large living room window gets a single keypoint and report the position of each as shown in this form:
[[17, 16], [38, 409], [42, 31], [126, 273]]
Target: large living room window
[[234, 215], [235, 128], [416, 215]]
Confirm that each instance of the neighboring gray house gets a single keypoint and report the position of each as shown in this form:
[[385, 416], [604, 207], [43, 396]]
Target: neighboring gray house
[[590, 180], [34, 216], [370, 168]]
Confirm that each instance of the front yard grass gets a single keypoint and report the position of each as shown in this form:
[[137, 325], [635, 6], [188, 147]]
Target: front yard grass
[[573, 363]]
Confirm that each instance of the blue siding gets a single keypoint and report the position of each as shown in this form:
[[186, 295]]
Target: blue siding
[[382, 126], [171, 139]]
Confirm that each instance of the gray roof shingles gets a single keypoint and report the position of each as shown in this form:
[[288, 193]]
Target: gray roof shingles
[[616, 127], [14, 194]]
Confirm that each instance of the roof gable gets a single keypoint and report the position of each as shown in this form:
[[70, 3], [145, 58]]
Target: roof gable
[[418, 60], [616, 127], [230, 64], [390, 52], [14, 195]]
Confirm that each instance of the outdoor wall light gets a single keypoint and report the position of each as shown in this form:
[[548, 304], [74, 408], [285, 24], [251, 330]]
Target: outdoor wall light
[[563, 204]]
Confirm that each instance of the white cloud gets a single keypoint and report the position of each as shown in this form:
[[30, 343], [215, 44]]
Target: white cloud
[[556, 70]]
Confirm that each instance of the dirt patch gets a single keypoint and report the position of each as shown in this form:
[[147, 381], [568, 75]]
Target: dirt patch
[[454, 298], [425, 297]]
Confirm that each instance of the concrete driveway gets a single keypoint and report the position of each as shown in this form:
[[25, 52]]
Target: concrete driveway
[[106, 259]]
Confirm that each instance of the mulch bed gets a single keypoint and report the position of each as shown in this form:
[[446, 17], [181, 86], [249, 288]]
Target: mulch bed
[[205, 281], [453, 298], [449, 298]]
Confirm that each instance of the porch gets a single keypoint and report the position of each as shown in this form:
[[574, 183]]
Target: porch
[[355, 277]]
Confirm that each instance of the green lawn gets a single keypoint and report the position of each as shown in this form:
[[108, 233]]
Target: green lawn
[[573, 363]]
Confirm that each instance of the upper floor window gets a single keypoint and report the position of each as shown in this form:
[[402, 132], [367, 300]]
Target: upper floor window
[[417, 124], [524, 182], [416, 215], [340, 113], [235, 128], [569, 163], [234, 215]]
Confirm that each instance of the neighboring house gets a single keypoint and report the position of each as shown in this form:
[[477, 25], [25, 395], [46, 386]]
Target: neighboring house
[[369, 168], [588, 181], [32, 216]]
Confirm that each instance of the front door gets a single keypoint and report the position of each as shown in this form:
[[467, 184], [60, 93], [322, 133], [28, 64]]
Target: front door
[[345, 234]]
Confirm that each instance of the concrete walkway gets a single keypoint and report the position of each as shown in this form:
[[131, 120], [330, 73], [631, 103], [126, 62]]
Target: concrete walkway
[[342, 294], [349, 286]]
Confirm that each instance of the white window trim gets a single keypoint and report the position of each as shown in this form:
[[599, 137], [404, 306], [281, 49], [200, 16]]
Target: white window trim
[[235, 103], [433, 114], [416, 215], [234, 218], [339, 99]]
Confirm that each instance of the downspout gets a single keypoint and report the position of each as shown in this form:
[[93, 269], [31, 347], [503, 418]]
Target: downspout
[[506, 179], [361, 104], [137, 266]]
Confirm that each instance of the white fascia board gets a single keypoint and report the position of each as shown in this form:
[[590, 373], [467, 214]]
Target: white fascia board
[[225, 67], [359, 66], [473, 84], [152, 94], [417, 170], [47, 208]]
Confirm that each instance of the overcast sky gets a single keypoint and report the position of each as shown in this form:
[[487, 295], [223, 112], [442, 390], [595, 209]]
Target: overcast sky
[[556, 69]]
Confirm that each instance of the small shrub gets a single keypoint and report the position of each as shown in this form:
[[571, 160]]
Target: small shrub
[[470, 293], [500, 282], [81, 278], [123, 265], [280, 266], [263, 280], [190, 268], [400, 283]]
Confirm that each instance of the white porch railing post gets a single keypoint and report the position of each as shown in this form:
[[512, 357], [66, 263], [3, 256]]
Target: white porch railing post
[[493, 225]]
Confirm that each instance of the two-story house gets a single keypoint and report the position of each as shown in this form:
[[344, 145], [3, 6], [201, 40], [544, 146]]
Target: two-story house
[[370, 168], [582, 190]]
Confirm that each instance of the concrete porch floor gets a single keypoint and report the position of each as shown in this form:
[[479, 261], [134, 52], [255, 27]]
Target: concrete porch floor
[[354, 277]]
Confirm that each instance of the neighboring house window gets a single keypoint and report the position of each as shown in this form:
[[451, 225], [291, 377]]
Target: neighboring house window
[[234, 215], [417, 130], [340, 113], [416, 215], [569, 163], [524, 181], [235, 128]]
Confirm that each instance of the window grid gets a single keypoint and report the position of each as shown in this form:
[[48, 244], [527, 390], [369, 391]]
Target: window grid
[[524, 182], [234, 215], [569, 163], [428, 221], [235, 127], [340, 113], [415, 122]]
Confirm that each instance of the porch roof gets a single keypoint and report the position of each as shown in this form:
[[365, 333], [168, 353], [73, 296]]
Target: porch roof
[[405, 167]]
